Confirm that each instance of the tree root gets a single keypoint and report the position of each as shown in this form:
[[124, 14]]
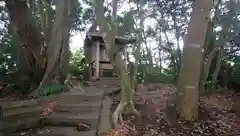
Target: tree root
[[82, 127], [130, 108], [117, 115], [67, 81], [121, 119]]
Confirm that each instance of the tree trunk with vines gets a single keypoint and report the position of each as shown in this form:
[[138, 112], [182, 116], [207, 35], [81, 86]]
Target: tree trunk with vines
[[108, 31], [29, 40], [59, 34], [210, 48]]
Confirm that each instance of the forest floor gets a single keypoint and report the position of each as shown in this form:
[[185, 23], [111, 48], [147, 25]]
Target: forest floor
[[219, 115]]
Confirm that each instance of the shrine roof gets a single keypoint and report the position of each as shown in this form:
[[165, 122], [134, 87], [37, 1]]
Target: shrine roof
[[97, 36]]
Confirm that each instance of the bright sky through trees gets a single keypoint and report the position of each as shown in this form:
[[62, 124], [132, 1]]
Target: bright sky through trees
[[78, 38]]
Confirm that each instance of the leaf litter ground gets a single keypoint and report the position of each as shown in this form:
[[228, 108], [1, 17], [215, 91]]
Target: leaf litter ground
[[219, 116]]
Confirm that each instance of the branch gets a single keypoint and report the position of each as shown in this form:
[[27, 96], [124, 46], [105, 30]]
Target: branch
[[106, 28], [44, 10]]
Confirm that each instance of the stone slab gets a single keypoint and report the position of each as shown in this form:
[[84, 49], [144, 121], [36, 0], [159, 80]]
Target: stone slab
[[18, 113], [20, 124], [105, 121], [17, 104], [56, 131], [81, 107], [68, 119], [77, 97]]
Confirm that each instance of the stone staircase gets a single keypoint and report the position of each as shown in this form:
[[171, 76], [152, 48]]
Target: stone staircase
[[105, 82], [74, 108], [19, 115]]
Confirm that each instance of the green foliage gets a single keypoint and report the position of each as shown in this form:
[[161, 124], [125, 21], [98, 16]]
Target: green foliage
[[126, 23], [168, 75], [77, 64], [51, 89], [76, 15], [157, 76], [8, 57]]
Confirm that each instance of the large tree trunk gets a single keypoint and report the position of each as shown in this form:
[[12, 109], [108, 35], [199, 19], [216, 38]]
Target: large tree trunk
[[116, 59], [206, 69], [29, 39], [65, 51], [217, 67], [209, 48], [32, 6], [160, 53], [188, 83], [46, 18], [172, 55], [149, 58], [137, 55], [88, 52], [177, 35], [55, 43]]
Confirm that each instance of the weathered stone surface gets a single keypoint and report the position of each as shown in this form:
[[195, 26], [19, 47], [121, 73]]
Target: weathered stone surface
[[67, 119], [105, 122], [47, 99], [75, 109], [57, 131], [20, 113], [78, 97], [81, 107], [105, 82], [17, 104], [112, 91], [23, 124]]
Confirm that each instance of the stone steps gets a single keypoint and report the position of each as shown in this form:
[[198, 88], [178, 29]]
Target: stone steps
[[77, 97], [13, 115], [19, 115], [105, 121], [69, 119], [74, 108], [23, 124], [19, 104], [81, 107], [57, 131], [105, 82]]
